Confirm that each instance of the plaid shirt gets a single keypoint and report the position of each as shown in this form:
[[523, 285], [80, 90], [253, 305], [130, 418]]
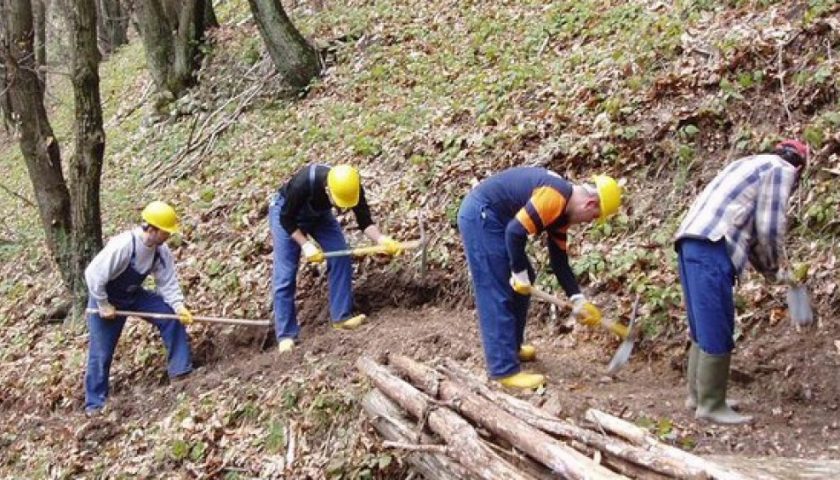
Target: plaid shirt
[[746, 204]]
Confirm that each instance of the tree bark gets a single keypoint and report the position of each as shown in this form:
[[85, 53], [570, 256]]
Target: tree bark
[[392, 424], [294, 58], [86, 164], [538, 445], [616, 452], [39, 13], [459, 435], [37, 143], [172, 58], [210, 20], [641, 437], [5, 99], [112, 21]]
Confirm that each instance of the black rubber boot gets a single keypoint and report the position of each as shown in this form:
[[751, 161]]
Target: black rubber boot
[[712, 378]]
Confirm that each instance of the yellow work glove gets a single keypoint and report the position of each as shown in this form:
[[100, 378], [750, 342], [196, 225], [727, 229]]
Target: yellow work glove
[[185, 316], [312, 253], [584, 311], [392, 247], [107, 311], [520, 282]]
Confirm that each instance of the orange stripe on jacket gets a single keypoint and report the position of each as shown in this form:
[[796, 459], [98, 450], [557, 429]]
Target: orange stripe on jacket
[[526, 221], [549, 204]]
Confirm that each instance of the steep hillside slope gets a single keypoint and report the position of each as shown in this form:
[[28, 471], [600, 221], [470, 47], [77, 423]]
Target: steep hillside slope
[[428, 97]]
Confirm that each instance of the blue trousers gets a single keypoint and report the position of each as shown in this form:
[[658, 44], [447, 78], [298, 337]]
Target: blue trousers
[[708, 279], [327, 232], [501, 311], [104, 335]]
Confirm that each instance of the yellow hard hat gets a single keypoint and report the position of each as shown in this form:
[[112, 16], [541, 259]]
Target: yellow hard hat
[[161, 216], [609, 195], [344, 184]]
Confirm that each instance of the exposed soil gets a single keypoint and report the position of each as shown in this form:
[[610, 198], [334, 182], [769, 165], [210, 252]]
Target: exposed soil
[[787, 379]]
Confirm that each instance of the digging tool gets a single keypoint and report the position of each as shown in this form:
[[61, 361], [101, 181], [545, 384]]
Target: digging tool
[[370, 250], [799, 305], [197, 318], [627, 333]]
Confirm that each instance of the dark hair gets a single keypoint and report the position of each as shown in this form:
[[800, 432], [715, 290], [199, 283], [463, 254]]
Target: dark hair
[[790, 156]]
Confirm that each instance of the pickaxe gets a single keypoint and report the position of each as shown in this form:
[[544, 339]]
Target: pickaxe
[[197, 318], [628, 334]]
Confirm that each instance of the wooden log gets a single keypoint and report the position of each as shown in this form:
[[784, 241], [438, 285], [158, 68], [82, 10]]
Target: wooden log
[[771, 468], [392, 423], [458, 433], [641, 437], [559, 457], [617, 453]]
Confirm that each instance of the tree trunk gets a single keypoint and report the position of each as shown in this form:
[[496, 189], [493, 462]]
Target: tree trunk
[[641, 437], [554, 454], [39, 13], [5, 99], [393, 425], [37, 143], [617, 453], [172, 59], [113, 24], [210, 20], [86, 164], [460, 436], [294, 58]]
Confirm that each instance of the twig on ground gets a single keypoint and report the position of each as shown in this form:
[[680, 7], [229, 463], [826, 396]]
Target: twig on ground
[[25, 200], [416, 447]]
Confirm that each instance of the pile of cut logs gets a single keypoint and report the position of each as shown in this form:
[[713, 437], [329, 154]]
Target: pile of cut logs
[[454, 426]]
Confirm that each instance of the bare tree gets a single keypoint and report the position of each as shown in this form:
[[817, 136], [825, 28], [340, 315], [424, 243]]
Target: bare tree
[[37, 142], [172, 42], [210, 20], [86, 164], [39, 12], [112, 24], [5, 99], [294, 58]]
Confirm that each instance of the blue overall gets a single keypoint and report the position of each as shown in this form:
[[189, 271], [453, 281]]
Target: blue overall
[[125, 292], [501, 311], [708, 278], [324, 228]]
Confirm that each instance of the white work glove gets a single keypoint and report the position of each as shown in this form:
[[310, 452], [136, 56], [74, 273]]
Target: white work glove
[[107, 311], [520, 282], [312, 253], [584, 311]]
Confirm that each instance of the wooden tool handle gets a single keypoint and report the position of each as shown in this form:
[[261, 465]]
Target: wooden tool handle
[[197, 318], [370, 250]]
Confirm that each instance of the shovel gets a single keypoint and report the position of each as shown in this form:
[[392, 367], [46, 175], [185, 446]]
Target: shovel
[[628, 334], [197, 318], [799, 305]]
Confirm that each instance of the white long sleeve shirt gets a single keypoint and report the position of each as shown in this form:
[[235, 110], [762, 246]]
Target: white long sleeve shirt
[[116, 257], [746, 204]]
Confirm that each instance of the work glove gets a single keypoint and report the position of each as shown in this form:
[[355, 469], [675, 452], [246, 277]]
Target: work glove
[[184, 315], [312, 253], [392, 247], [584, 311], [520, 282], [107, 311]]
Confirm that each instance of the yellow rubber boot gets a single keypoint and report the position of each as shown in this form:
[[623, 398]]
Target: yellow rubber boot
[[285, 345], [527, 353], [351, 323], [523, 381]]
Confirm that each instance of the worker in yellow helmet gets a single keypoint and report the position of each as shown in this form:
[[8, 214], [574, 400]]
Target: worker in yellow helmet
[[115, 278], [301, 209], [495, 219]]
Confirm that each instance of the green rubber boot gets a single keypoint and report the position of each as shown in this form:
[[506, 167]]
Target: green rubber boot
[[712, 377], [691, 377]]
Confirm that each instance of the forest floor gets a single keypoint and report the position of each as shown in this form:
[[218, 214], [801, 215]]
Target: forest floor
[[429, 97]]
